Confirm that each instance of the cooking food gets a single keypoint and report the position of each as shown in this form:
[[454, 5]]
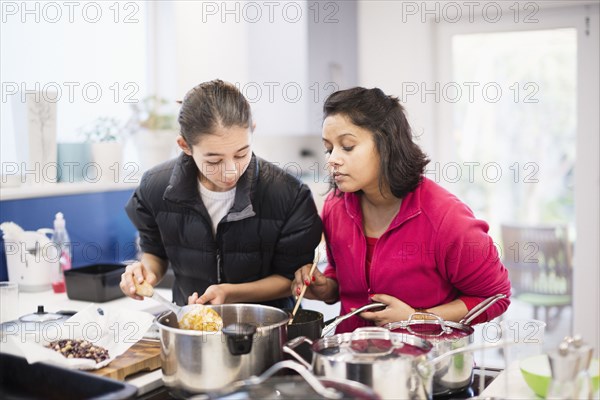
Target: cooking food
[[201, 318], [143, 289], [76, 348]]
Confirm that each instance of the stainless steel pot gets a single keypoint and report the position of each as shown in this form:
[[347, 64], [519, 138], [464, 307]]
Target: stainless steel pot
[[393, 364], [455, 373], [302, 386], [196, 361]]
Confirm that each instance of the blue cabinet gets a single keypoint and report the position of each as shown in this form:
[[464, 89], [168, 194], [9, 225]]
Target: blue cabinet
[[97, 224]]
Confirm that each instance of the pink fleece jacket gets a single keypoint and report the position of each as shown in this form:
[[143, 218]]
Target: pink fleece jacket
[[433, 252]]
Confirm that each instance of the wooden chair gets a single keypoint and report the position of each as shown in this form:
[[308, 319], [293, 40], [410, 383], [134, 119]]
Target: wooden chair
[[539, 263]]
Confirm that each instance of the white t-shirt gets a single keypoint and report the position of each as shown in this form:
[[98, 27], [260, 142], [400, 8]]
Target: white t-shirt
[[218, 204]]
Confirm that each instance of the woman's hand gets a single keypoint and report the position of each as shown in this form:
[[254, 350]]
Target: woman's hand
[[319, 287], [396, 310], [140, 273], [214, 294]]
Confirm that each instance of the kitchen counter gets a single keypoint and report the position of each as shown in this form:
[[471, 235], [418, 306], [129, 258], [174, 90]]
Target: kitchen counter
[[509, 384], [53, 302]]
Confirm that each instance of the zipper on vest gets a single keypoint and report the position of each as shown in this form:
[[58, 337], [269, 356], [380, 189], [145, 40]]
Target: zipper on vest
[[219, 267]]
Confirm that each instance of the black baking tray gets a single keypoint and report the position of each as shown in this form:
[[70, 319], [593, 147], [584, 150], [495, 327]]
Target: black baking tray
[[97, 283], [20, 380]]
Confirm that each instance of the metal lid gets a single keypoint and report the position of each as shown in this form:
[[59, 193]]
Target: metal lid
[[434, 328], [366, 345], [41, 316]]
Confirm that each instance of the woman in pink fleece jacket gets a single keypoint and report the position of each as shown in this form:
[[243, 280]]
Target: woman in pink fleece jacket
[[394, 236]]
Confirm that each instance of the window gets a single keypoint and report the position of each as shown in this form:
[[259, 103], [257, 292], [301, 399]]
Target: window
[[517, 132], [552, 61]]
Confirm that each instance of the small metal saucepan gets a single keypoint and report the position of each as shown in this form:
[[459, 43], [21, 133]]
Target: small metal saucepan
[[393, 364], [396, 365], [455, 373], [311, 324]]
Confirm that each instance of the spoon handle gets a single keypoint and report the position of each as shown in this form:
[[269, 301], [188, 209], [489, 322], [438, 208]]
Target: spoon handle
[[301, 296], [173, 307]]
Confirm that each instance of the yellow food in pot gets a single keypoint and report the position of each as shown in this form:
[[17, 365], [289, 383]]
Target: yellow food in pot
[[201, 318]]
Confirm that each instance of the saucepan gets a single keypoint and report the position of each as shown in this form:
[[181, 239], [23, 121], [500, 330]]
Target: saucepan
[[199, 361], [310, 324], [396, 365], [455, 373]]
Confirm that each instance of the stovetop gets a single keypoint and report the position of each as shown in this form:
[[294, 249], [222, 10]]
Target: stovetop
[[481, 380]]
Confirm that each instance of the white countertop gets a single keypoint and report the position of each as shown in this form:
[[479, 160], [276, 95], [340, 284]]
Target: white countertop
[[53, 302]]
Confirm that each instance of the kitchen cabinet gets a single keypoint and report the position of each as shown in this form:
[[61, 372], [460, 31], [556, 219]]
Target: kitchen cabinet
[[96, 221]]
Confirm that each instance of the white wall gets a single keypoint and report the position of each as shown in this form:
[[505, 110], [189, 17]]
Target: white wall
[[207, 49], [586, 298], [277, 85], [394, 54]]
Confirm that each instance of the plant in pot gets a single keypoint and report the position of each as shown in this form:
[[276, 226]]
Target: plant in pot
[[154, 129], [104, 134]]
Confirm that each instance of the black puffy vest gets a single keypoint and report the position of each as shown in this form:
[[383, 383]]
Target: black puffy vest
[[272, 228]]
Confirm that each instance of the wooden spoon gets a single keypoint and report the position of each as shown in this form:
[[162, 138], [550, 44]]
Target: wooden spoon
[[310, 273]]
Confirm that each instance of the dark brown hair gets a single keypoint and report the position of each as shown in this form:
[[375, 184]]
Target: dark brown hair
[[402, 162], [210, 105]]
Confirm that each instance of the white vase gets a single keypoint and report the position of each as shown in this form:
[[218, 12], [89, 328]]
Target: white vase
[[107, 163], [155, 146], [34, 116]]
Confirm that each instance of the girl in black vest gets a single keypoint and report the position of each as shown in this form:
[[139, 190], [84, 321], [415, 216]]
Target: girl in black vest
[[233, 227]]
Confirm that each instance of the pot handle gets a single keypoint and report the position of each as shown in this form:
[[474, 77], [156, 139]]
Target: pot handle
[[480, 308], [292, 344], [329, 393], [440, 322], [328, 330], [472, 348], [239, 338]]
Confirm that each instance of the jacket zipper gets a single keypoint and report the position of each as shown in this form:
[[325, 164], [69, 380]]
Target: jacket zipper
[[220, 271], [219, 267]]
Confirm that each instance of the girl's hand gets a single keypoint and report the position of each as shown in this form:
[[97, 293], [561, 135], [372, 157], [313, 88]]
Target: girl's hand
[[136, 271], [396, 310], [214, 294]]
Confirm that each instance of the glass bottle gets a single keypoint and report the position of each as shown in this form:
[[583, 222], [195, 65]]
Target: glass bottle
[[62, 242]]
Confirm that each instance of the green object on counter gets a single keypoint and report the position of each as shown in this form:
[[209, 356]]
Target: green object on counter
[[536, 372]]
